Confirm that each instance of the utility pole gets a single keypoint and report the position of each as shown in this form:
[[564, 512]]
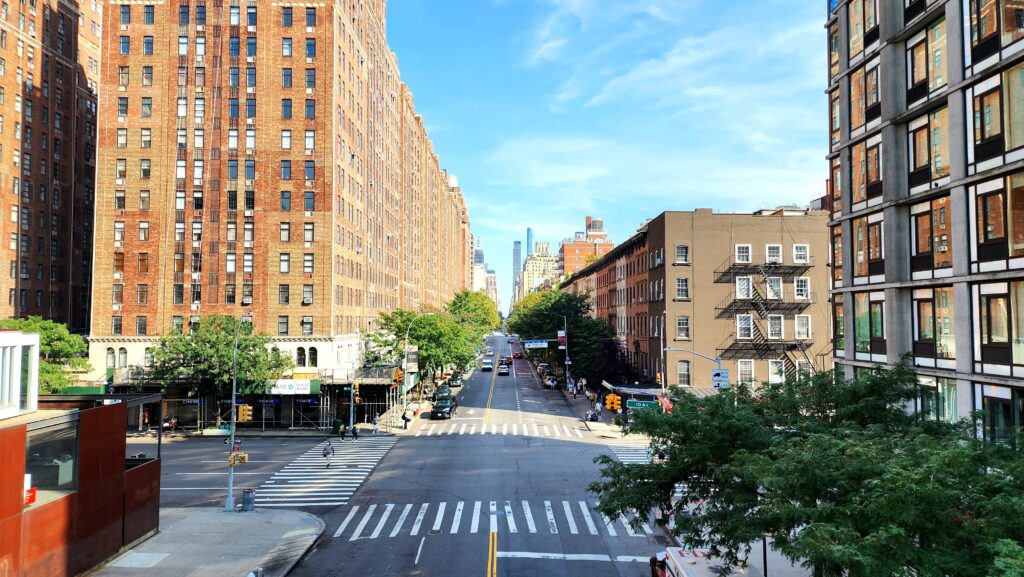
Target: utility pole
[[229, 503]]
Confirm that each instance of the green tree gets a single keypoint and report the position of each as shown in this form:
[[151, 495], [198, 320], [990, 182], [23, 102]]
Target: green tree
[[60, 352], [475, 310], [836, 472], [442, 340], [202, 359]]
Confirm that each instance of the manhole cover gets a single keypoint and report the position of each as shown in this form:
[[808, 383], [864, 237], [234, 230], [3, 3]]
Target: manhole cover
[[434, 532]]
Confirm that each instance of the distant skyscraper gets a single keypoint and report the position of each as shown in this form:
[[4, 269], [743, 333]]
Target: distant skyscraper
[[478, 254], [529, 241], [517, 266]]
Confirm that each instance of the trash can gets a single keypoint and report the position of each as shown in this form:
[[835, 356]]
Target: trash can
[[248, 499], [336, 426]]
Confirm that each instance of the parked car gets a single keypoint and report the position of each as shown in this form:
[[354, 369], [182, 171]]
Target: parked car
[[442, 390], [543, 369], [455, 380], [487, 365], [503, 370], [444, 408], [490, 352]]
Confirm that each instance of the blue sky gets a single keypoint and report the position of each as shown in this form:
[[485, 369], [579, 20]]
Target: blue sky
[[549, 110]]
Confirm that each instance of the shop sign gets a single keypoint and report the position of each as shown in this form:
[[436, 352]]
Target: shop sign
[[30, 491], [291, 387]]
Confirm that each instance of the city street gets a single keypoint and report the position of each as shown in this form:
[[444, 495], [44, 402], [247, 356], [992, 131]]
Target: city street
[[500, 489]]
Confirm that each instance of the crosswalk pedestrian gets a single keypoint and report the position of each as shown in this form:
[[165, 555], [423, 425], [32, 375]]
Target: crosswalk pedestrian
[[576, 517], [558, 430], [305, 482]]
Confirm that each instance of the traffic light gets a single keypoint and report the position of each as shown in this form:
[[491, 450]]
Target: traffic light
[[237, 459], [612, 402], [244, 413], [355, 389], [396, 378]]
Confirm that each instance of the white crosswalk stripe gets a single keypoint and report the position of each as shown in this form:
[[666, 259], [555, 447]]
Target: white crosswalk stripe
[[554, 430], [308, 482], [379, 520], [632, 454]]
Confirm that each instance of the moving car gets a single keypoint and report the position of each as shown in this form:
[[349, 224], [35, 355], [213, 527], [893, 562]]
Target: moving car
[[506, 360], [444, 408], [503, 370], [487, 365], [490, 352], [517, 355]]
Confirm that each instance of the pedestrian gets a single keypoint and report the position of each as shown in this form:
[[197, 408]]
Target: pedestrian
[[355, 433], [376, 424], [328, 453], [405, 419], [597, 409], [344, 432]]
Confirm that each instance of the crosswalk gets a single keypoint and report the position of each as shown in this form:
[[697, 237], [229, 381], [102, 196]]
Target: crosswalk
[[307, 482], [632, 454], [394, 520], [453, 428]]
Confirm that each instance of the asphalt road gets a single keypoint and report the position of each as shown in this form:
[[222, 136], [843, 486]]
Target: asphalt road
[[498, 490]]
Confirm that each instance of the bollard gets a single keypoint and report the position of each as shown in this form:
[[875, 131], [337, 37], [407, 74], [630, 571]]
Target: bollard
[[248, 499]]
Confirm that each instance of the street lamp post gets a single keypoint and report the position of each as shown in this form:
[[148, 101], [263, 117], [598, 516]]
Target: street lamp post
[[405, 361], [229, 503]]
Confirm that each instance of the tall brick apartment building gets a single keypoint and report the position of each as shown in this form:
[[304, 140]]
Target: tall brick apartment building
[[49, 72], [263, 157]]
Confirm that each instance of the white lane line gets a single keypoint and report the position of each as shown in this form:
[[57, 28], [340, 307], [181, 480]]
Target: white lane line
[[458, 516], [586, 517], [572, 557], [362, 523], [536, 433], [419, 432], [494, 429], [462, 431], [401, 520], [504, 428], [418, 551], [483, 428], [348, 518], [554, 430], [382, 522], [629, 528], [608, 525], [494, 517], [476, 518], [419, 519], [552, 526], [529, 517], [545, 427], [568, 517], [440, 516], [578, 433], [510, 518]]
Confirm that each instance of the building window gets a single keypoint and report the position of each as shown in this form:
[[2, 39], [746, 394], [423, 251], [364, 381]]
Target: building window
[[776, 371], [140, 326], [115, 325], [125, 45], [933, 323], [926, 61], [745, 371], [683, 373], [285, 263], [283, 294], [801, 254], [307, 325], [931, 235], [938, 398], [682, 254], [310, 47], [773, 253], [286, 200], [683, 327], [307, 263], [867, 239], [309, 201], [999, 224], [802, 288], [743, 253], [773, 288], [775, 328], [51, 457], [282, 326], [310, 17], [802, 324], [834, 116], [308, 232], [869, 324], [285, 234], [865, 105], [142, 294], [867, 174], [994, 24], [744, 326], [307, 294], [862, 18], [838, 326], [929, 148], [682, 288], [744, 287], [833, 50], [998, 104], [117, 294], [313, 356]]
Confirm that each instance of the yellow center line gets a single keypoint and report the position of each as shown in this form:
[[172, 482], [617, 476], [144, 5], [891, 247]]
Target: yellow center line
[[494, 377], [492, 556]]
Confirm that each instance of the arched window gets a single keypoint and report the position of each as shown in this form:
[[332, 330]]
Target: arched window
[[300, 357], [149, 357], [312, 356], [122, 357], [111, 359]]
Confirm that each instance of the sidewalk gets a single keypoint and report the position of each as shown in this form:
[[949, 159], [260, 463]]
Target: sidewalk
[[580, 405], [205, 542]]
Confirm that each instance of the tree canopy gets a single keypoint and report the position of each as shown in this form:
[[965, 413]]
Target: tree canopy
[[60, 352], [837, 473], [476, 311], [202, 359], [442, 341]]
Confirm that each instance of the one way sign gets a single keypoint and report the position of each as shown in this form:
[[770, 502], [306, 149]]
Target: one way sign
[[720, 379]]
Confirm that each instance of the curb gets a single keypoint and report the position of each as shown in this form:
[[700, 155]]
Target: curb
[[323, 526]]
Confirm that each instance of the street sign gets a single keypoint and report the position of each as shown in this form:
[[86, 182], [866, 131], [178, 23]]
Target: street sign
[[720, 378], [541, 344], [561, 340], [631, 404]]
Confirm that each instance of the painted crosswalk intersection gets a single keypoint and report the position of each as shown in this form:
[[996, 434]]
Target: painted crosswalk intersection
[[632, 454], [392, 520], [446, 428], [308, 482]]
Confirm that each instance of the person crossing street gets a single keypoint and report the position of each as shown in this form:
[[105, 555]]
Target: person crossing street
[[328, 454], [376, 424]]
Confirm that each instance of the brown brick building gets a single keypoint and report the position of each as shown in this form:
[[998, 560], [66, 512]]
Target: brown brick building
[[49, 69], [263, 157], [591, 242], [749, 288]]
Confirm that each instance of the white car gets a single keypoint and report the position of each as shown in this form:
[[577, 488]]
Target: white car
[[487, 365]]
